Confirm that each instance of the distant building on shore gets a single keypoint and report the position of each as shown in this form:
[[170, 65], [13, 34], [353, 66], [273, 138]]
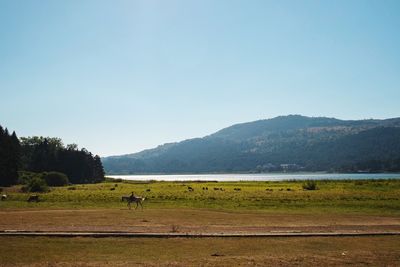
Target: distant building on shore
[[290, 167]]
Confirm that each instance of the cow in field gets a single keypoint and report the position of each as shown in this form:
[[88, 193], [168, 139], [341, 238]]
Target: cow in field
[[33, 198]]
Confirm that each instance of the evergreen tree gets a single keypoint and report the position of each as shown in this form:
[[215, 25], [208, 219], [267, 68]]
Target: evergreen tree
[[15, 158], [9, 158], [98, 169], [3, 176]]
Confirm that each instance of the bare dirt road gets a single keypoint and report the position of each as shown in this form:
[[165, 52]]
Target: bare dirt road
[[191, 221]]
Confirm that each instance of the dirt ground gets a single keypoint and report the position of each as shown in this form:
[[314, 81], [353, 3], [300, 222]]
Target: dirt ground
[[189, 221], [240, 251]]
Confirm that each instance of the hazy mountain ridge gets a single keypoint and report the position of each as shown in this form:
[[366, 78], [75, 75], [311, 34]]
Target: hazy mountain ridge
[[306, 143]]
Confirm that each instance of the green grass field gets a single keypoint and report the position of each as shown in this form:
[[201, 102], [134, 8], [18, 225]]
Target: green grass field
[[367, 196], [372, 205]]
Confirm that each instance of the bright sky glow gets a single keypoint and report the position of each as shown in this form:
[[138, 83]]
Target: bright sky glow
[[118, 76]]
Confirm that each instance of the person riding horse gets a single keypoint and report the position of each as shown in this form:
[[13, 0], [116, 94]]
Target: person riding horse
[[137, 199]]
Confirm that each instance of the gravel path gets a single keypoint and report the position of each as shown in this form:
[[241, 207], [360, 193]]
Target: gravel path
[[192, 235]]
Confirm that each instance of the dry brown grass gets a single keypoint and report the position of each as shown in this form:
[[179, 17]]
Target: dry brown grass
[[315, 251]]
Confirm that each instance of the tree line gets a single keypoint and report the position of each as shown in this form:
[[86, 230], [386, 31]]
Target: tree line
[[45, 154]]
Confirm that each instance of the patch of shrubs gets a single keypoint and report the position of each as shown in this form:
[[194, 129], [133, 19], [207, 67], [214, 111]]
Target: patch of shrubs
[[310, 185], [55, 178], [24, 176], [40, 182], [359, 182], [36, 184]]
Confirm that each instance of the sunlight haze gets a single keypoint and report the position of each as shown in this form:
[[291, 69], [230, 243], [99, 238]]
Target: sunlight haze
[[117, 77]]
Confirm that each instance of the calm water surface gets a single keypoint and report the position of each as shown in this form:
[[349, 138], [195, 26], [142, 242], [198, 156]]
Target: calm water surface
[[259, 177]]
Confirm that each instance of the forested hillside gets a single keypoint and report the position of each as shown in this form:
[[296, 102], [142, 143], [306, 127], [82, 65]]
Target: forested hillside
[[286, 143]]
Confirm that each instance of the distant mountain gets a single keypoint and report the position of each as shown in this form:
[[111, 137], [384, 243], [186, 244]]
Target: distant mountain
[[285, 143]]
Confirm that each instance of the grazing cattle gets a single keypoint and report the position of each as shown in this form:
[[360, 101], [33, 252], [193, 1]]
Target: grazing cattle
[[3, 197], [215, 188], [190, 189], [148, 190], [33, 198], [237, 189]]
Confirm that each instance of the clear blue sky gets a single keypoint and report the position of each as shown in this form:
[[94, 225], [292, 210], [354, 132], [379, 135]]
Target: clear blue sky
[[120, 76]]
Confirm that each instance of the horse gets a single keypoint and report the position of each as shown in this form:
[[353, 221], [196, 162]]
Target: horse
[[125, 198], [135, 199]]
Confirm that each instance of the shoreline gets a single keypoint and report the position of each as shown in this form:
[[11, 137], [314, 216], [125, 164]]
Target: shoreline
[[230, 177]]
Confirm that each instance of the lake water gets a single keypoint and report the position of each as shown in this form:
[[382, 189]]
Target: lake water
[[259, 177]]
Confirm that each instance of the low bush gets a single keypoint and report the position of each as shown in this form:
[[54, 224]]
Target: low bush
[[113, 180], [24, 177], [310, 185], [55, 178], [359, 182], [37, 184]]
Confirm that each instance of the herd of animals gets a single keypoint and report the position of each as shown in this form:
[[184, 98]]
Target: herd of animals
[[138, 200], [31, 198]]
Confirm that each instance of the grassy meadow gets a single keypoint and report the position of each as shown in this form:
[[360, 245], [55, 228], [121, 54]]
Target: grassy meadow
[[361, 196], [372, 205]]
